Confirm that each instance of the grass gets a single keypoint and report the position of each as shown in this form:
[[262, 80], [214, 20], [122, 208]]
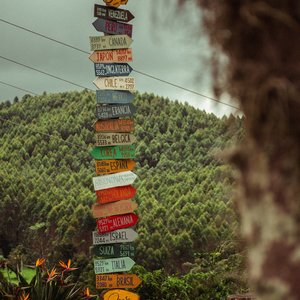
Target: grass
[[27, 273]]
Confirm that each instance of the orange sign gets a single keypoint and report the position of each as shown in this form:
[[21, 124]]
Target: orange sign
[[115, 3], [115, 194], [112, 209], [107, 56], [114, 125], [120, 295], [104, 167], [117, 281]]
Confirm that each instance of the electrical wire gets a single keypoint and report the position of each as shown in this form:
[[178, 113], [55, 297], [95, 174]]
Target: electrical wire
[[137, 71], [18, 88]]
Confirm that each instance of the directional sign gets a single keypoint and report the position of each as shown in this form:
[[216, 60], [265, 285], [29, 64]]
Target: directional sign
[[114, 152], [124, 83], [117, 125], [105, 167], [112, 209], [112, 13], [109, 42], [120, 295], [117, 281], [113, 97], [126, 235], [114, 139], [115, 194], [108, 56], [109, 181], [112, 27], [115, 3], [113, 69], [115, 111], [116, 222], [116, 250], [111, 265]]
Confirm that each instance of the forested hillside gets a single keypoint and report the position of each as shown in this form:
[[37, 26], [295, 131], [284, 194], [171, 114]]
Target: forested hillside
[[187, 222]]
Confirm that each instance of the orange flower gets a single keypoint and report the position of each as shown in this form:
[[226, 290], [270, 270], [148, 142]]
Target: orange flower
[[24, 296], [66, 267], [87, 292], [51, 274], [40, 262]]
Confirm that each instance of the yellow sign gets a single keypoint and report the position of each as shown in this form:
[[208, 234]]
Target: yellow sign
[[120, 295], [115, 3]]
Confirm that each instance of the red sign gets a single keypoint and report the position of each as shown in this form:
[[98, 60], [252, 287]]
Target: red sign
[[116, 222], [115, 194]]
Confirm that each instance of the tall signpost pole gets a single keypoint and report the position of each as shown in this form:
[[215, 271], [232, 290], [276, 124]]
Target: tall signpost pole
[[114, 151]]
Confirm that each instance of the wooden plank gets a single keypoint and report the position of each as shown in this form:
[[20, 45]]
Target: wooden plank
[[126, 235], [112, 209], [115, 3], [105, 167], [112, 27], [114, 152], [112, 69], [109, 42], [113, 14], [115, 194], [112, 265], [115, 250], [117, 125], [114, 111], [120, 83], [111, 56], [117, 281], [120, 295], [113, 97]]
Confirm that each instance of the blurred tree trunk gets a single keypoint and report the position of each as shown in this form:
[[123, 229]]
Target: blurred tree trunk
[[260, 69]]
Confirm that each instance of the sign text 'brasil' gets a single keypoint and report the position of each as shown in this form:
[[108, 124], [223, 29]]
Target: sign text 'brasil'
[[117, 281]]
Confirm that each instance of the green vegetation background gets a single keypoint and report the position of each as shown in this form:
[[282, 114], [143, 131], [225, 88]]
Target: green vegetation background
[[188, 243]]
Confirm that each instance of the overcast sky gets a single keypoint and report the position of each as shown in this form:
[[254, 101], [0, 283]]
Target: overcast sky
[[166, 45]]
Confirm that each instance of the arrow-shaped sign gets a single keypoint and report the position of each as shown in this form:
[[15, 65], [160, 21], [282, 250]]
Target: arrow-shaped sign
[[110, 56], [115, 111], [116, 250], [112, 27], [115, 194], [113, 97], [105, 167], [113, 69], [117, 125], [111, 265], [112, 209], [120, 294], [126, 235], [114, 152], [113, 14], [116, 222], [114, 139], [113, 180], [109, 42], [124, 83], [115, 3], [117, 281]]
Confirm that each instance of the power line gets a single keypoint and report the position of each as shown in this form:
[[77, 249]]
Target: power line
[[16, 87], [45, 73], [139, 72]]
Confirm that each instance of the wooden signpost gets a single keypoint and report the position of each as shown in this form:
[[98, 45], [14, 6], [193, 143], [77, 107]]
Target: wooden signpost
[[126, 235], [115, 208], [112, 27], [114, 152], [113, 14], [112, 265], [113, 180], [109, 42], [121, 83], [110, 56], [120, 295], [115, 250], [105, 167], [113, 97], [114, 139], [117, 125], [115, 194], [117, 281], [116, 222], [112, 69], [115, 3], [115, 111]]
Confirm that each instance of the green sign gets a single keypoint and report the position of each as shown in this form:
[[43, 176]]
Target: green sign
[[112, 265], [115, 152], [115, 250]]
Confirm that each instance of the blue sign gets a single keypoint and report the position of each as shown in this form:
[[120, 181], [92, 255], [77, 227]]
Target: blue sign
[[113, 97], [106, 70]]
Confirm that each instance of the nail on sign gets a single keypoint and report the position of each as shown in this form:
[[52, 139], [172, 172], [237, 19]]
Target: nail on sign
[[126, 235], [113, 180], [112, 209], [117, 281], [120, 295], [112, 27], [113, 69], [116, 222], [117, 125], [107, 56], [105, 167], [124, 83], [113, 97], [110, 42], [113, 14], [116, 250], [112, 265], [115, 194], [114, 152], [115, 111]]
